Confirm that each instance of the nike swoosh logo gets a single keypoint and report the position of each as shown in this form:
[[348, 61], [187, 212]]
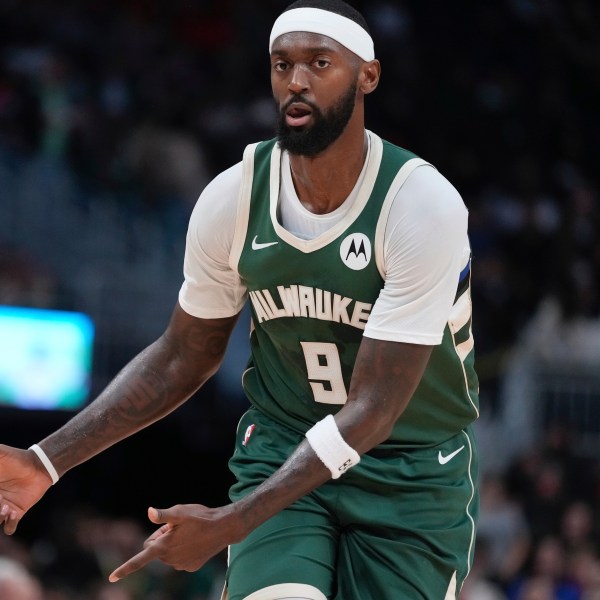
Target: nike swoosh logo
[[258, 246], [445, 459]]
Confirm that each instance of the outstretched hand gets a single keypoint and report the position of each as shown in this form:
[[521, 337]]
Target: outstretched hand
[[189, 536], [22, 483]]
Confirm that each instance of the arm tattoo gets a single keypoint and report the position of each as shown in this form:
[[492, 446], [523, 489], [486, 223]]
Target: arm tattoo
[[152, 385]]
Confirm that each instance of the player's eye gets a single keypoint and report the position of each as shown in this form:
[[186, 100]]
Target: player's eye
[[322, 63], [280, 66]]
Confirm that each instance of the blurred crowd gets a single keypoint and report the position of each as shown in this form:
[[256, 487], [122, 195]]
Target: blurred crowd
[[114, 115], [73, 559]]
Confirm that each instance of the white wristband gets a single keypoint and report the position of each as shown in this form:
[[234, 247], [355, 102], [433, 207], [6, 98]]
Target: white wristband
[[329, 445], [46, 462]]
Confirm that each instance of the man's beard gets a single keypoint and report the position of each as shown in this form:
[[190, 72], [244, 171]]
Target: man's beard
[[326, 127]]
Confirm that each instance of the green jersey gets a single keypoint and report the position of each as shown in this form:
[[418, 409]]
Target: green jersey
[[310, 304]]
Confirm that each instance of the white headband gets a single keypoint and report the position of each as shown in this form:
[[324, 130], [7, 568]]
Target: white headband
[[315, 20]]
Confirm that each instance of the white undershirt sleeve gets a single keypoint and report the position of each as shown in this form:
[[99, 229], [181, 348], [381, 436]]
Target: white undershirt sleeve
[[425, 248], [211, 289]]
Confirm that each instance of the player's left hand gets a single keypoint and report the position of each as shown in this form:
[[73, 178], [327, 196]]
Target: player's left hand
[[190, 535]]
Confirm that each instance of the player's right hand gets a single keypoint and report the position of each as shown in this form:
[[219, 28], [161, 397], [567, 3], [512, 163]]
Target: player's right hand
[[23, 481]]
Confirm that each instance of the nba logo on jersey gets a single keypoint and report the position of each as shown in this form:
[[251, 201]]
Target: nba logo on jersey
[[355, 251], [248, 433]]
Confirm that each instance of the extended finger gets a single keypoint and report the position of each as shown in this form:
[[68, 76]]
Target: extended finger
[[135, 563], [10, 519]]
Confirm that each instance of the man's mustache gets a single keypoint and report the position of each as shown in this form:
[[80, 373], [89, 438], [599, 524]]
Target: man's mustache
[[301, 99]]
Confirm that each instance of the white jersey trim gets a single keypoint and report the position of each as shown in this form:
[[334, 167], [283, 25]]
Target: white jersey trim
[[364, 193], [468, 507], [461, 313], [451, 591]]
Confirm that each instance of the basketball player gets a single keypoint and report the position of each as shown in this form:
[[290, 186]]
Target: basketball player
[[356, 464]]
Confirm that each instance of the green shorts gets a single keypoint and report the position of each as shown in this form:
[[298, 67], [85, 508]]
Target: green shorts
[[399, 525]]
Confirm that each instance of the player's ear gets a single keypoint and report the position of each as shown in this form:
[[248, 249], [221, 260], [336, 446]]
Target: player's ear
[[368, 79]]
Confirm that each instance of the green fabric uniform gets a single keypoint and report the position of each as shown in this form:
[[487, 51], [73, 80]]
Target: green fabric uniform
[[401, 523]]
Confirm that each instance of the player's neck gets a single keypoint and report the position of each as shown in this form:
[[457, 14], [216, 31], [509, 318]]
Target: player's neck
[[323, 182]]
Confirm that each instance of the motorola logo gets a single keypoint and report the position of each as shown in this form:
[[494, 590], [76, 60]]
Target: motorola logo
[[355, 251]]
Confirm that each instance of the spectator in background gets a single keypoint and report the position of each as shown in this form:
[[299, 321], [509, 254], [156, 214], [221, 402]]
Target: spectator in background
[[536, 588], [24, 281], [503, 531], [168, 166], [577, 527], [16, 583], [548, 572], [583, 570]]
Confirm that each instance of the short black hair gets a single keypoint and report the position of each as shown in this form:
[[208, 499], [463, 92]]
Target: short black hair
[[335, 6]]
